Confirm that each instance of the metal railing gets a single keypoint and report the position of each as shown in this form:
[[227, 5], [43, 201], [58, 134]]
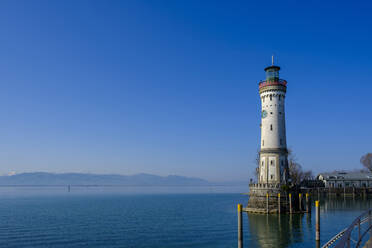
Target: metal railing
[[348, 237]]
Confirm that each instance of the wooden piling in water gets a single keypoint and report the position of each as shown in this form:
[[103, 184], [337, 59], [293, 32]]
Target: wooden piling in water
[[370, 222], [329, 192], [318, 194], [290, 203], [267, 203], [317, 221], [278, 203], [365, 193], [307, 202], [300, 202], [240, 226]]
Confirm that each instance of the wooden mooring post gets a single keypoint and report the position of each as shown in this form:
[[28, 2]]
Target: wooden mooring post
[[370, 222], [317, 221], [300, 202], [267, 203], [240, 226], [307, 203], [278, 203], [318, 193], [290, 203]]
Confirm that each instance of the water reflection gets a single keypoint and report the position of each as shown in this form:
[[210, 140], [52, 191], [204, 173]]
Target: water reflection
[[298, 229], [345, 203], [276, 230]]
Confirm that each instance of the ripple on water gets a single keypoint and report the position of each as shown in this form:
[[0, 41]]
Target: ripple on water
[[204, 220]]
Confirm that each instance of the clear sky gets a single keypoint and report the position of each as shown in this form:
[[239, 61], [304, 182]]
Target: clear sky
[[171, 87]]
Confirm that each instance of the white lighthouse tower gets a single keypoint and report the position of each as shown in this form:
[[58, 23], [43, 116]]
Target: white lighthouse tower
[[273, 168], [271, 193]]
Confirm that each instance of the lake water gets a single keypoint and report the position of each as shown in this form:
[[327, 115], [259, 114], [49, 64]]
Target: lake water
[[102, 217]]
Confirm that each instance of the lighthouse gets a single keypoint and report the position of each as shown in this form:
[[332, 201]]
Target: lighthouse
[[273, 191], [273, 166]]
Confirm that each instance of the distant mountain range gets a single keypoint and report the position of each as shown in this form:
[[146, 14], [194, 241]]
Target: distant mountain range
[[52, 179]]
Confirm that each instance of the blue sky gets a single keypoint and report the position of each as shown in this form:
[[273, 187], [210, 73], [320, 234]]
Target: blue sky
[[170, 87]]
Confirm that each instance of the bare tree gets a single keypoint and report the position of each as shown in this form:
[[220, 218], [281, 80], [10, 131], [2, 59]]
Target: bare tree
[[308, 175], [366, 161], [257, 163], [296, 173]]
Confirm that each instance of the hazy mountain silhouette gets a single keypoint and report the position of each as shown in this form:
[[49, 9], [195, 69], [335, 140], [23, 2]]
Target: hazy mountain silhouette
[[43, 178]]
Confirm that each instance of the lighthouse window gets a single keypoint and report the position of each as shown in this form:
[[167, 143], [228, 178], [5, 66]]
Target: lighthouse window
[[271, 162], [272, 74], [271, 97], [279, 97], [271, 127], [271, 176], [271, 113]]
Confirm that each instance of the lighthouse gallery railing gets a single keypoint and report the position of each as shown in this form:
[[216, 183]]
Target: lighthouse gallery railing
[[272, 82]]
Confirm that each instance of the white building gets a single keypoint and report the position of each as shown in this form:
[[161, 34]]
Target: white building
[[342, 179], [273, 154]]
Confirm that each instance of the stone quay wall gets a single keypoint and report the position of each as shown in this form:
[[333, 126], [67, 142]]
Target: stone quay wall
[[265, 198]]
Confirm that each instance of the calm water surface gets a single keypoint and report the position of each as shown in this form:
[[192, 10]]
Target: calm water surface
[[101, 217]]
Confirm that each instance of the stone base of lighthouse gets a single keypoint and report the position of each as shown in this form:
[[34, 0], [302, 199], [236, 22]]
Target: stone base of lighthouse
[[273, 198]]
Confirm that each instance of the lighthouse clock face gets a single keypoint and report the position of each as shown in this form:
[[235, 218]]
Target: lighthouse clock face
[[264, 114]]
